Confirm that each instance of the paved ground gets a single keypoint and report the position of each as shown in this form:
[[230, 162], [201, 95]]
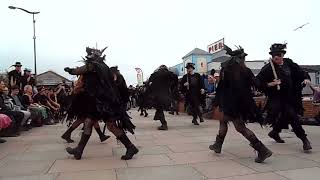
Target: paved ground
[[178, 154]]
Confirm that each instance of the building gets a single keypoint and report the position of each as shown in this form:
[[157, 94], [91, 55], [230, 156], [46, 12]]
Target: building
[[197, 56], [50, 78], [204, 62]]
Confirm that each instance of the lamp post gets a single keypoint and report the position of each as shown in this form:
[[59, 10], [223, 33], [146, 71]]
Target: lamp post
[[34, 35]]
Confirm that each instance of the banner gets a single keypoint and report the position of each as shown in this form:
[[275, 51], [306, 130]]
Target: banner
[[139, 76], [216, 46]]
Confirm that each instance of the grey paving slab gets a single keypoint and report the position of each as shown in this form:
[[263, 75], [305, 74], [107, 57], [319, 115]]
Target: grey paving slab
[[159, 173], [278, 163], [36, 177], [25, 168], [89, 175], [220, 169], [301, 174], [258, 176]]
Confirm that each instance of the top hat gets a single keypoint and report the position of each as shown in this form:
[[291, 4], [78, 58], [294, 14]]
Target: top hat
[[18, 64], [190, 65], [277, 48], [27, 70]]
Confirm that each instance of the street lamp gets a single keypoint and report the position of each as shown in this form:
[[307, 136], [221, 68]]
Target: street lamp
[[34, 35]]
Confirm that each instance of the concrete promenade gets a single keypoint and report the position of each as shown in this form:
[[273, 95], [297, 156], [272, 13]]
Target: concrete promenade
[[181, 153]]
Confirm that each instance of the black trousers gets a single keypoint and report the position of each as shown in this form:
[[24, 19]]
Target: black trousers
[[195, 108], [284, 114]]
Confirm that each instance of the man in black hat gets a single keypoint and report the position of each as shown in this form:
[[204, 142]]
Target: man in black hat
[[192, 86], [14, 76], [27, 78], [282, 81]]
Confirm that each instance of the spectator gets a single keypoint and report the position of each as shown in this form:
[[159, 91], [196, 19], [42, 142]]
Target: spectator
[[316, 94], [27, 78], [16, 116], [38, 111], [15, 99], [210, 94], [43, 100], [216, 79]]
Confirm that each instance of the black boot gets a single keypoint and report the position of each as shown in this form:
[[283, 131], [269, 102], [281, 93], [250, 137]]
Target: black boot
[[145, 114], [263, 151], [131, 148], [67, 135], [194, 121], [216, 147], [201, 120], [164, 125], [2, 141], [274, 135], [102, 136], [77, 152], [306, 144]]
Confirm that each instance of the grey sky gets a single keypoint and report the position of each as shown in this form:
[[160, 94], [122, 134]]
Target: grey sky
[[148, 33]]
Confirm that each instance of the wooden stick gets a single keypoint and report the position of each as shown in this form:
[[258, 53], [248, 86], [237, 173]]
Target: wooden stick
[[274, 73]]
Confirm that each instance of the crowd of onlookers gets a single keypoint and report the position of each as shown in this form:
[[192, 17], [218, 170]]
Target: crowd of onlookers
[[23, 105]]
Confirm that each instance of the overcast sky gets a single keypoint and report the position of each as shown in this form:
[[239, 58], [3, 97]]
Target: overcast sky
[[148, 33]]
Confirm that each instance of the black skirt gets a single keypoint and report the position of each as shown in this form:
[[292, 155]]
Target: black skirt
[[84, 106]]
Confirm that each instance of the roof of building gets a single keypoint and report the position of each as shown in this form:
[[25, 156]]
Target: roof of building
[[49, 78], [221, 59], [311, 68], [196, 51]]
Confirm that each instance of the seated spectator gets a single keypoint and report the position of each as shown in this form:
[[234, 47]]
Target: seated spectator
[[210, 93], [39, 112], [43, 100], [16, 116], [52, 97], [5, 122], [15, 98], [316, 94]]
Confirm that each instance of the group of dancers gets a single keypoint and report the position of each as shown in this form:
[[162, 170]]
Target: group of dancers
[[101, 93]]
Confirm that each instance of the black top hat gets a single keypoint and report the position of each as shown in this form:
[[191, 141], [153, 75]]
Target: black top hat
[[190, 65], [277, 48], [27, 70], [18, 64]]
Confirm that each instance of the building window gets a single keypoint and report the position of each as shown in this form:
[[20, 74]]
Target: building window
[[317, 81]]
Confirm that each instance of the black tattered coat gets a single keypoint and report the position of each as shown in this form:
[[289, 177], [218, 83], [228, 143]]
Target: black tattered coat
[[159, 88], [290, 93]]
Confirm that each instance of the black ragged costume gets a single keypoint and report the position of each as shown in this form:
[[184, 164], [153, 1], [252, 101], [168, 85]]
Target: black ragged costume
[[285, 104], [122, 91], [159, 92], [100, 94], [235, 99]]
